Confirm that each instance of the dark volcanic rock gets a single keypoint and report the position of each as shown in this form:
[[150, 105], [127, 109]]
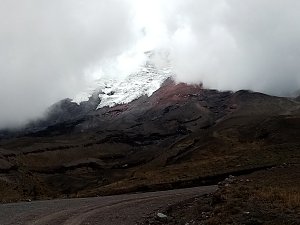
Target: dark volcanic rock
[[65, 111], [59, 118]]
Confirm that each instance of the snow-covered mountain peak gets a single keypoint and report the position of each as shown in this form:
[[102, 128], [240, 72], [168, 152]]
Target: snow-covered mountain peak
[[114, 91]]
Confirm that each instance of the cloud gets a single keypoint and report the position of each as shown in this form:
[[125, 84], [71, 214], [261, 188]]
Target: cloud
[[45, 47], [232, 44]]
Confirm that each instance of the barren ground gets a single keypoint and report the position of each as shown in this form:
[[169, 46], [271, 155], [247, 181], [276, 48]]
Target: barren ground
[[120, 209]]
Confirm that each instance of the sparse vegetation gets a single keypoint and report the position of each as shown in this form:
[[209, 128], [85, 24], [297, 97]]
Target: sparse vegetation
[[269, 197], [286, 198]]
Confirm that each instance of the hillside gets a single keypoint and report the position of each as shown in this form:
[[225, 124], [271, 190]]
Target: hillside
[[180, 136]]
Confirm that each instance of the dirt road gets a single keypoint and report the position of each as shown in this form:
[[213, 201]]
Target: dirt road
[[121, 209]]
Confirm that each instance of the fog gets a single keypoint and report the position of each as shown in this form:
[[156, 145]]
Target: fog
[[51, 50], [46, 46], [236, 44]]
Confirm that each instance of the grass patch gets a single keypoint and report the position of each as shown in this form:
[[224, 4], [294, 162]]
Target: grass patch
[[281, 197]]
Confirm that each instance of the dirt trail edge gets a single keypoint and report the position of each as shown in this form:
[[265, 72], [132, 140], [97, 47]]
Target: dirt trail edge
[[120, 209]]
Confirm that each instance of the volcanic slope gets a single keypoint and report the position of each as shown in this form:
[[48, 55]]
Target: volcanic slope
[[180, 136]]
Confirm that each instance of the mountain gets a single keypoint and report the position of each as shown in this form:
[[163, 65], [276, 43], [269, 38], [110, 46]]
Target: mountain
[[105, 92], [157, 137]]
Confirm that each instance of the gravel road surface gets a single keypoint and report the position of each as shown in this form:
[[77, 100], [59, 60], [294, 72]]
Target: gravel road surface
[[121, 209]]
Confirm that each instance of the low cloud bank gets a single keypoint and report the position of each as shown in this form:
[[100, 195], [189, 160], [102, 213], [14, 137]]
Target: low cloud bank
[[232, 44]]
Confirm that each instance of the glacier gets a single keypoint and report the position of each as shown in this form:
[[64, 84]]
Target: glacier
[[114, 91]]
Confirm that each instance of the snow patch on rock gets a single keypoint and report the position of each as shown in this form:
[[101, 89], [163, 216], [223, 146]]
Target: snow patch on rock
[[124, 90]]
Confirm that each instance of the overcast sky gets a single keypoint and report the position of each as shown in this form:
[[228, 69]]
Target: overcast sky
[[50, 50]]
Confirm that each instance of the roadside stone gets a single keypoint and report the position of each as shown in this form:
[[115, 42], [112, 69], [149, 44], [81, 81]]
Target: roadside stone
[[162, 216]]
